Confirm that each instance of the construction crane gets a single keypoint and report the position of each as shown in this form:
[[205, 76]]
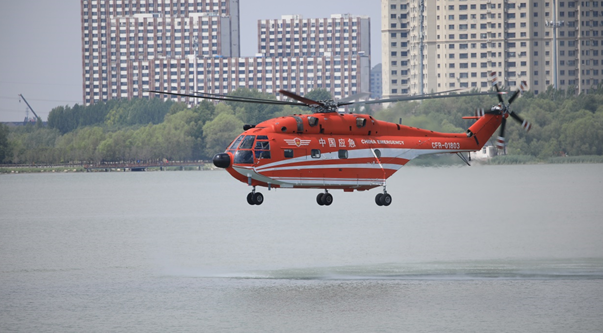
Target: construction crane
[[27, 110]]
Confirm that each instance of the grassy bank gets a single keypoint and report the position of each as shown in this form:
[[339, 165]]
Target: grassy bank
[[523, 159], [40, 169], [12, 169], [576, 159]]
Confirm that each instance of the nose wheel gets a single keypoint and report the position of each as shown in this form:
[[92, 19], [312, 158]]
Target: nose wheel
[[324, 199], [255, 198], [383, 199]]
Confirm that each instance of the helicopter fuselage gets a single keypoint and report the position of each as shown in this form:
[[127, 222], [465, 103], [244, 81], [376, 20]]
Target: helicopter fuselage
[[338, 151]]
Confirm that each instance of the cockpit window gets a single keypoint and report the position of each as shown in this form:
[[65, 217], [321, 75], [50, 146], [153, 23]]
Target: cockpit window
[[262, 149], [247, 142], [236, 142]]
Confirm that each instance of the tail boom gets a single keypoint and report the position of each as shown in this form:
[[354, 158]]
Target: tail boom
[[482, 130]]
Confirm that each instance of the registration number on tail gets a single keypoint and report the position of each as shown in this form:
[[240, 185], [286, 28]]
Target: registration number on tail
[[445, 145]]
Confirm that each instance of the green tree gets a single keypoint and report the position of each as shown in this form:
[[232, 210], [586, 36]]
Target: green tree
[[253, 113], [116, 147], [319, 95], [80, 145], [5, 149], [220, 132]]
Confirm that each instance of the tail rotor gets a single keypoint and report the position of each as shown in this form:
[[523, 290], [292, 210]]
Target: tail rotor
[[503, 109]]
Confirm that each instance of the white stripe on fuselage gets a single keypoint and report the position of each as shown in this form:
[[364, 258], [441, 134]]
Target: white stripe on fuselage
[[256, 172], [352, 154]]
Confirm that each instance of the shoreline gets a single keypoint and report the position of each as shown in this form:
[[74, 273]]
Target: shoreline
[[11, 169]]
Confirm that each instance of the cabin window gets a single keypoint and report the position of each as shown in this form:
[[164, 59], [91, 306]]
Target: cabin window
[[288, 153], [315, 153], [312, 121], [343, 154], [243, 157], [247, 142]]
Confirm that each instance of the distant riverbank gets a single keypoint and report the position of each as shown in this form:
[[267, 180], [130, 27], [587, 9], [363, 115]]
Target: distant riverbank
[[14, 169], [451, 159]]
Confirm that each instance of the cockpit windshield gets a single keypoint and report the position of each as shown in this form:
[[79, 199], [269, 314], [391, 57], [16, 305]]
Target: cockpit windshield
[[244, 154], [244, 146], [236, 142]]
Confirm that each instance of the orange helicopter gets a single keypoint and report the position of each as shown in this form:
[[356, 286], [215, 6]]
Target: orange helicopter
[[330, 150]]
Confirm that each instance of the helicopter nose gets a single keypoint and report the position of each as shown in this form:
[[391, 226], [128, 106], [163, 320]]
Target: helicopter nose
[[222, 160]]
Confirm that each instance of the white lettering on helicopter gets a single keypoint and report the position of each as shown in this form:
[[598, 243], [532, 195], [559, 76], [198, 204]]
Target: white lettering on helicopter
[[445, 145], [382, 142]]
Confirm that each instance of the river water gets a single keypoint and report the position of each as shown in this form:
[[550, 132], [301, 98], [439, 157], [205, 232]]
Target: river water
[[461, 249]]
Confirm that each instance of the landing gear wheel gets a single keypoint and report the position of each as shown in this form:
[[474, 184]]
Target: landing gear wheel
[[327, 199], [255, 198], [386, 199], [319, 199], [378, 199], [324, 199], [383, 199], [258, 198]]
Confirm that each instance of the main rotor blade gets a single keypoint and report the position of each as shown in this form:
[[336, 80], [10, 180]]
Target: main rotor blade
[[349, 100], [240, 97], [304, 100], [414, 98], [228, 99], [353, 97]]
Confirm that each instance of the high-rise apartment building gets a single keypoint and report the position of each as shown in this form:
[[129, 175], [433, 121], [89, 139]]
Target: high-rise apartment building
[[130, 47], [443, 45], [376, 82], [329, 53], [123, 42]]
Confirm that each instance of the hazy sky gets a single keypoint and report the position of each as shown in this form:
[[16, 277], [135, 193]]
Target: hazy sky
[[41, 54]]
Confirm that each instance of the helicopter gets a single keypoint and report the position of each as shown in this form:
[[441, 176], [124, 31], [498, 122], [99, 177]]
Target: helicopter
[[330, 150]]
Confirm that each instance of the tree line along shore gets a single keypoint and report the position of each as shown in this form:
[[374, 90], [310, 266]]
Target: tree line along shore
[[567, 128]]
